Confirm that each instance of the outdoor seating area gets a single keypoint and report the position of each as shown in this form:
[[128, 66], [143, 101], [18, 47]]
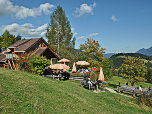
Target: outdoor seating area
[[62, 71], [96, 86], [58, 70]]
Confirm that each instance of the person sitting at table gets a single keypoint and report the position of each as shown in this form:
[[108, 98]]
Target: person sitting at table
[[150, 89], [60, 75], [90, 82], [87, 80], [140, 87]]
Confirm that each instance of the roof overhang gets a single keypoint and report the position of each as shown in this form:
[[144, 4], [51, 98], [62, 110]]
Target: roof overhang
[[11, 47], [19, 51], [2, 61]]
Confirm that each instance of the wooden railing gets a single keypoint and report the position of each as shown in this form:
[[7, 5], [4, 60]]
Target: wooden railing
[[11, 56]]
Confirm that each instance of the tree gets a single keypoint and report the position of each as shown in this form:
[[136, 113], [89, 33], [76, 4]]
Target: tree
[[0, 43], [8, 39], [92, 52], [107, 66], [59, 32], [69, 54], [134, 70]]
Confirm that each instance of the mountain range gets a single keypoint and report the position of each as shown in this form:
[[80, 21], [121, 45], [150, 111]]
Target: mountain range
[[145, 51]]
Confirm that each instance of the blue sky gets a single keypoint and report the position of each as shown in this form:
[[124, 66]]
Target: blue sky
[[118, 25]]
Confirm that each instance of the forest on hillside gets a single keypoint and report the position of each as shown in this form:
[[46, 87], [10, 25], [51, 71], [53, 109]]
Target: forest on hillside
[[118, 59]]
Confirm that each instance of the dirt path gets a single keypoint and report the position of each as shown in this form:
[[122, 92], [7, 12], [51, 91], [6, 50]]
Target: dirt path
[[113, 91]]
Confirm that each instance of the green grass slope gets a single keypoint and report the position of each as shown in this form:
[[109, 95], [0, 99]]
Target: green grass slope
[[29, 93]]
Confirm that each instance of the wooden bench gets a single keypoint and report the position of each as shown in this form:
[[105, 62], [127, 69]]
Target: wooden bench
[[130, 89], [86, 85]]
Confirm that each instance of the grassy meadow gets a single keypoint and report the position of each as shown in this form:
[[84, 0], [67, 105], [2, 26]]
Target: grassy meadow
[[114, 82], [22, 92]]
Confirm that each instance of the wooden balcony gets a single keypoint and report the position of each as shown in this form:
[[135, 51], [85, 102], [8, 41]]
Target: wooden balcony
[[11, 56]]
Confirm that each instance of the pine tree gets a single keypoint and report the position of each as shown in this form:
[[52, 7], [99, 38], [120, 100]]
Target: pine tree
[[8, 39], [59, 32]]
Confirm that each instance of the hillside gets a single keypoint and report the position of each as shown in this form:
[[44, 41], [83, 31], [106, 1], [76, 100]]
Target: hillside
[[145, 51], [118, 58], [29, 93]]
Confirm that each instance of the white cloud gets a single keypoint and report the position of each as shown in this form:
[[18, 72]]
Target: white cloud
[[88, 36], [21, 12], [25, 30], [6, 8], [114, 18], [84, 9], [74, 33]]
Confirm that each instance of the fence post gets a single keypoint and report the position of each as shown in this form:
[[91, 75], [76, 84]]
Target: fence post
[[89, 86], [118, 89], [96, 87], [133, 92]]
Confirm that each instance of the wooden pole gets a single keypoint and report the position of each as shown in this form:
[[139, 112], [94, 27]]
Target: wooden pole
[[10, 64], [13, 64]]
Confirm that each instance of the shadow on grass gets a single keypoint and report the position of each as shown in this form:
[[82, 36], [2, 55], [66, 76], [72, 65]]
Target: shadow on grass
[[113, 85]]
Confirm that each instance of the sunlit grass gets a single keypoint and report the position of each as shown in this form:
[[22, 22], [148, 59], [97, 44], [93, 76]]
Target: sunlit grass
[[22, 92]]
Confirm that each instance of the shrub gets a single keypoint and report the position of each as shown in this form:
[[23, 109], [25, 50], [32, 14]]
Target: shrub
[[39, 63], [145, 99], [23, 63], [35, 64]]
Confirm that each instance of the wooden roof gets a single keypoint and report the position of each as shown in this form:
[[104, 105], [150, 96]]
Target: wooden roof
[[39, 51], [2, 57], [26, 44]]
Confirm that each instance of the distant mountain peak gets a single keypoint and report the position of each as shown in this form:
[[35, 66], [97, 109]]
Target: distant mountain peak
[[145, 51]]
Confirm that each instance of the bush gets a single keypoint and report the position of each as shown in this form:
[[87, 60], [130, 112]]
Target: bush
[[145, 99], [35, 64], [23, 63], [39, 63]]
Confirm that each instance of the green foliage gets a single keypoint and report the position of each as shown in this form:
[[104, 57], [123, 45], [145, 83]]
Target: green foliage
[[92, 52], [8, 39], [107, 67], [39, 63], [59, 32], [118, 58], [134, 70], [35, 64], [68, 54], [148, 76], [23, 62], [146, 99]]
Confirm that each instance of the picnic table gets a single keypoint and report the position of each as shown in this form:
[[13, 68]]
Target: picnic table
[[130, 89]]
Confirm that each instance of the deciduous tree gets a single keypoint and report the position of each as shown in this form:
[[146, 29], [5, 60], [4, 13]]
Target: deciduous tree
[[92, 52], [134, 70]]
